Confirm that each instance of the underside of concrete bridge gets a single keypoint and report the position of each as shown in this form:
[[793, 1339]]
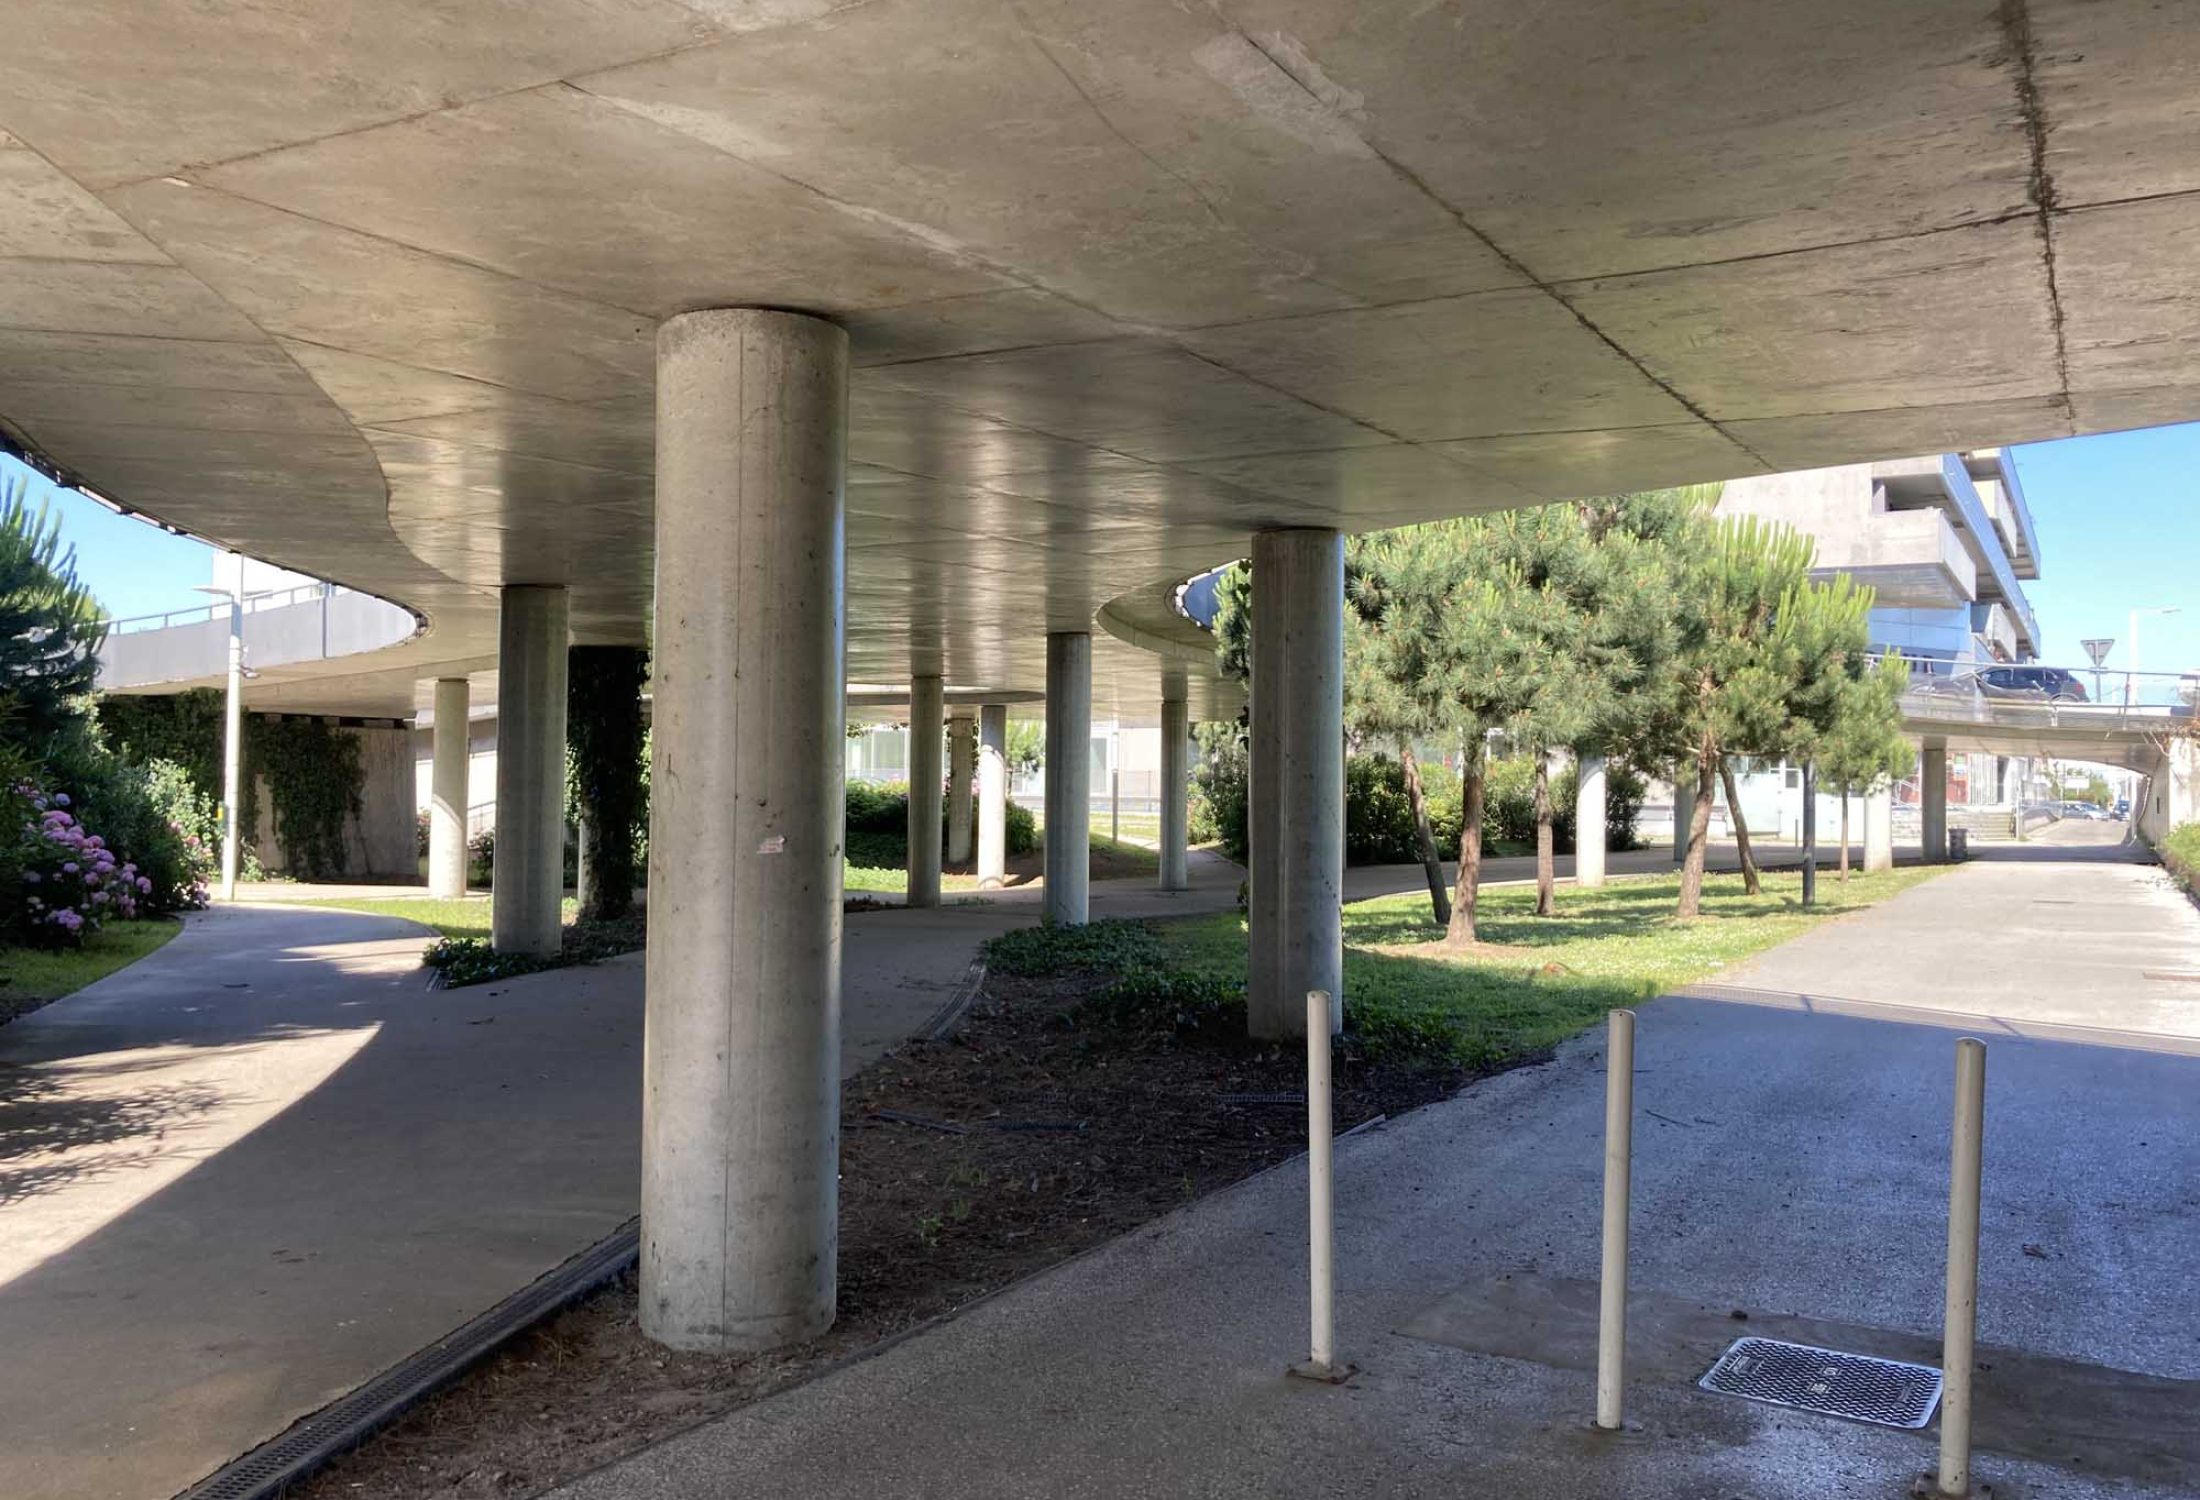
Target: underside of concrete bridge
[[894, 341]]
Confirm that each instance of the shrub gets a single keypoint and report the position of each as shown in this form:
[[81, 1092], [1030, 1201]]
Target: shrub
[[64, 881], [1219, 807], [1388, 1033], [2181, 855], [1378, 819], [151, 815], [481, 857], [1199, 1006], [878, 826], [1097, 947]]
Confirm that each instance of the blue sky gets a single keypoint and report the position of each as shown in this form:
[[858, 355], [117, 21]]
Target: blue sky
[[2119, 529], [2118, 519], [134, 568]]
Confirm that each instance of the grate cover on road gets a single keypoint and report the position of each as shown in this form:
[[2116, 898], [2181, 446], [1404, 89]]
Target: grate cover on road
[[1855, 1386]]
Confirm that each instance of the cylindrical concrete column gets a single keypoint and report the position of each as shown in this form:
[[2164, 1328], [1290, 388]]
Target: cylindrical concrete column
[[1932, 803], [529, 876], [448, 790], [1069, 777], [1176, 782], [1879, 829], [1589, 777], [925, 703], [962, 756], [741, 1052], [992, 796], [1297, 791]]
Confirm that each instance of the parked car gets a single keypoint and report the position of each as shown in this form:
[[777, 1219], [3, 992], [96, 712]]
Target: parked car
[[2052, 684], [2122, 810], [2084, 810]]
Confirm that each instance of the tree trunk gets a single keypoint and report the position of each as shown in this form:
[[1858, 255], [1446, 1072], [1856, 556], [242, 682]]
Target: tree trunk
[[1461, 932], [1844, 835], [1750, 882], [1699, 829], [1439, 899], [1546, 867]]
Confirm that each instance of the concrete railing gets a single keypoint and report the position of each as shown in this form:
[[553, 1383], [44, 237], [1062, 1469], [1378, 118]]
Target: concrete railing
[[315, 623]]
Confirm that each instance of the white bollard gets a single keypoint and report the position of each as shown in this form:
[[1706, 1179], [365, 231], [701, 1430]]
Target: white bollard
[[1321, 1363], [1619, 1146], [1959, 1330]]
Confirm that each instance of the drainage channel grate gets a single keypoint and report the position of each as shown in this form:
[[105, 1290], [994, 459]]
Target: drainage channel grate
[[347, 1421], [1855, 1386]]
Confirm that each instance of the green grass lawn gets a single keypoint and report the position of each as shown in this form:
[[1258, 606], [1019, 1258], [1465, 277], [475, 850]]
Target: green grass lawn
[[878, 863], [465, 918], [1605, 948], [34, 976]]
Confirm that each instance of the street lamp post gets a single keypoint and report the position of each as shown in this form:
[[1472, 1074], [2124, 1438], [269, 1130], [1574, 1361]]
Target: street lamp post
[[232, 728], [2131, 672]]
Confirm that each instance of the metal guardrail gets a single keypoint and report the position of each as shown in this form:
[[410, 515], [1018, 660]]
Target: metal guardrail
[[2111, 699], [202, 614]]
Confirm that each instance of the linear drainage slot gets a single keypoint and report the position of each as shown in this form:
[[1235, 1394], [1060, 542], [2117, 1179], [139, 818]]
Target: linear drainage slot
[[1856, 1386]]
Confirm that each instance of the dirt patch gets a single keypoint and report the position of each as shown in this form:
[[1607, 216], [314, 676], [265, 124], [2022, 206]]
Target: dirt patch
[[966, 1164]]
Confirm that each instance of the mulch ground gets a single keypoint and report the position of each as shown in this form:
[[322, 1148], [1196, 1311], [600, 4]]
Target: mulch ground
[[966, 1164]]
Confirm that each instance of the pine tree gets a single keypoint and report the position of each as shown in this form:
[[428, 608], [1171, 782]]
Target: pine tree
[[1737, 665], [1862, 744], [51, 627]]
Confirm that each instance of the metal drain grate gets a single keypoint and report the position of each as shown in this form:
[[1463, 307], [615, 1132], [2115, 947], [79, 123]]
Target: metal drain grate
[[1855, 1386], [344, 1423]]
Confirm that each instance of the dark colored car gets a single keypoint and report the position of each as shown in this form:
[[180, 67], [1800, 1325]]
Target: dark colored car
[[2055, 684]]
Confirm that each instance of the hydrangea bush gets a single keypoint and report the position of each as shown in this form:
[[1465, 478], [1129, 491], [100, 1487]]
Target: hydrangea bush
[[60, 881]]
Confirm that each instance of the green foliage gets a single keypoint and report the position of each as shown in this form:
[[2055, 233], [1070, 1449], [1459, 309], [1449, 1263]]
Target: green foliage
[[606, 766], [1219, 813], [878, 826], [1156, 1000], [1378, 823], [1097, 947], [314, 777], [1863, 747], [462, 956], [2180, 851], [1024, 746], [185, 728], [1233, 623], [151, 815], [50, 626]]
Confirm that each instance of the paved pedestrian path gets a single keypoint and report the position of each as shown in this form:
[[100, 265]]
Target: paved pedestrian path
[[1792, 1136], [264, 1164]]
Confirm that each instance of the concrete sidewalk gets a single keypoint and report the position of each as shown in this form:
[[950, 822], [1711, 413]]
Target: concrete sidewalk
[[267, 1162], [1791, 1158]]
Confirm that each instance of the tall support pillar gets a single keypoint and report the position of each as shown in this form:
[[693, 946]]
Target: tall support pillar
[[1176, 782], [992, 796], [529, 875], [448, 789], [1589, 819], [1297, 792], [741, 1051], [962, 755], [925, 706], [1879, 829], [1069, 778], [1932, 790]]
